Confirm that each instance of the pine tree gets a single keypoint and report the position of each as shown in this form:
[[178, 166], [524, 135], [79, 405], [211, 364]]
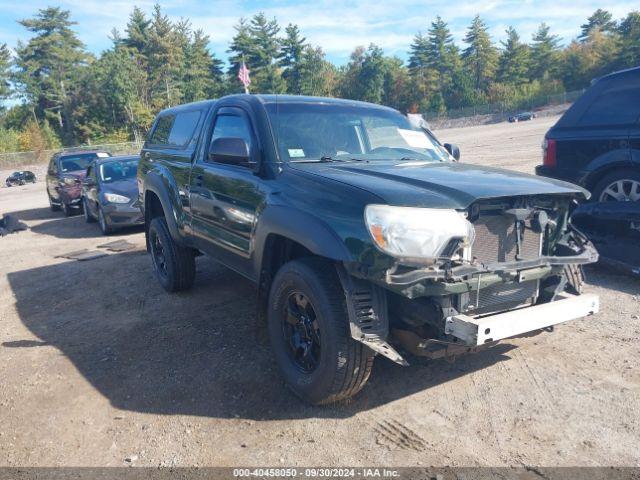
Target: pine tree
[[601, 20], [419, 66], [418, 53], [5, 63], [240, 47], [480, 57], [290, 58], [267, 77], [629, 31], [165, 56], [317, 75], [48, 66], [544, 54], [442, 55], [137, 31], [202, 71], [513, 65]]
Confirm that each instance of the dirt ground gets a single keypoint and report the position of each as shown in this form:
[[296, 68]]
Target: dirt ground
[[100, 367]]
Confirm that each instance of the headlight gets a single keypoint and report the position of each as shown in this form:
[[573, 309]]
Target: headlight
[[417, 233], [115, 198]]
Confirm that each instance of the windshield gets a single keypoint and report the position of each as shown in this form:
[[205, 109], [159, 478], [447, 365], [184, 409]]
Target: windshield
[[73, 163], [312, 132], [115, 171]]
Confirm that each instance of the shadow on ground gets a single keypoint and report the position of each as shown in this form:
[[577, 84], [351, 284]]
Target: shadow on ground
[[193, 353], [56, 224]]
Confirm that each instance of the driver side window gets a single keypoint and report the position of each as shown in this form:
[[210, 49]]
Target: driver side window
[[233, 126]]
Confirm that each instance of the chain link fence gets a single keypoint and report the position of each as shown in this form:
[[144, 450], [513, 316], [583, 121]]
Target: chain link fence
[[18, 159]]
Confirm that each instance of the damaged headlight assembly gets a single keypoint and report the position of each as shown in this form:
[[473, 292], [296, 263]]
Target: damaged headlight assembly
[[418, 235]]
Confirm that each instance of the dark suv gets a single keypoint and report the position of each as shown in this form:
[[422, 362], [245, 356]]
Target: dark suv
[[362, 233], [596, 143], [64, 179]]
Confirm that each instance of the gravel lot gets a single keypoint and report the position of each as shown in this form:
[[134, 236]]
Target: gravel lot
[[100, 367]]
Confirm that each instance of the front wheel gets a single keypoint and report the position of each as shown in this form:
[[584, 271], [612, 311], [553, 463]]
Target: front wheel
[[53, 206], [175, 265], [102, 221], [67, 209], [310, 334], [85, 209]]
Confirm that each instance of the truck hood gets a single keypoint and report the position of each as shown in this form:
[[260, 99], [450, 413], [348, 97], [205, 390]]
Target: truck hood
[[438, 185]]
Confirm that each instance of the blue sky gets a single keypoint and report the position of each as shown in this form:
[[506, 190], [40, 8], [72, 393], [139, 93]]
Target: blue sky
[[337, 26]]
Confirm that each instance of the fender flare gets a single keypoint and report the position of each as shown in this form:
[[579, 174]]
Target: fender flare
[[160, 186], [311, 232]]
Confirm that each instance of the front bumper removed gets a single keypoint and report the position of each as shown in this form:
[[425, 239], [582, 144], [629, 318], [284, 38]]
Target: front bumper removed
[[475, 331]]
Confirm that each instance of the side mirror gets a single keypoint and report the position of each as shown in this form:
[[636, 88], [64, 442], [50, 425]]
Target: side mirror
[[229, 150], [88, 182], [453, 150]]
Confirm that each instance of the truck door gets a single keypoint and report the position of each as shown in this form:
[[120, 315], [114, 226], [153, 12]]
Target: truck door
[[225, 198]]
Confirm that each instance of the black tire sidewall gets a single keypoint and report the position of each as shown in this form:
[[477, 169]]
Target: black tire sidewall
[[312, 387], [102, 221], [85, 210], [608, 179], [158, 227]]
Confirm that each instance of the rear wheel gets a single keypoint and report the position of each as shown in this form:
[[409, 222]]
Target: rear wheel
[[620, 185], [175, 265], [310, 334]]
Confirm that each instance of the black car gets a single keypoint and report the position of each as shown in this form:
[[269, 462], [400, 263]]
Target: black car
[[64, 178], [20, 178], [596, 143], [362, 233], [110, 193], [521, 117]]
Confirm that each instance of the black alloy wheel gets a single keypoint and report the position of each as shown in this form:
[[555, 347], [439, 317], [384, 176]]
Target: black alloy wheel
[[301, 332]]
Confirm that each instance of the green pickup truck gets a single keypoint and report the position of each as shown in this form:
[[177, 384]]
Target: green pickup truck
[[363, 233]]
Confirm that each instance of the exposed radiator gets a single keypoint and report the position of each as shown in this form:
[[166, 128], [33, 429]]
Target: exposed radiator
[[496, 240]]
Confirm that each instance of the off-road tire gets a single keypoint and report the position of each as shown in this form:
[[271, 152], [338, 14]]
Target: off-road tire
[[345, 365], [180, 261]]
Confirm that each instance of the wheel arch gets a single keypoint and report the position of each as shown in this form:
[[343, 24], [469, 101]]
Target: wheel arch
[[285, 234], [157, 201], [599, 173]]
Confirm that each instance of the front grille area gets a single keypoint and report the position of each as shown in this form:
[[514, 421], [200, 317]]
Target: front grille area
[[496, 240]]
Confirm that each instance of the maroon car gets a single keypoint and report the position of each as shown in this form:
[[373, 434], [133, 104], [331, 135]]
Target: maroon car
[[64, 179]]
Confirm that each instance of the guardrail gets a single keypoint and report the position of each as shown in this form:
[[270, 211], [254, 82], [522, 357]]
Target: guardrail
[[18, 159]]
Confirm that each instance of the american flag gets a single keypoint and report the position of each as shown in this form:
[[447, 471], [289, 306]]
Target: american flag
[[243, 76]]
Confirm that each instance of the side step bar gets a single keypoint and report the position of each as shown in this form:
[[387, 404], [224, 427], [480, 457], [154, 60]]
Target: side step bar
[[476, 331]]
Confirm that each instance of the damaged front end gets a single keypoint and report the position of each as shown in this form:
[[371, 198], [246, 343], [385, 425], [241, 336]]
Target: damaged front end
[[526, 254]]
